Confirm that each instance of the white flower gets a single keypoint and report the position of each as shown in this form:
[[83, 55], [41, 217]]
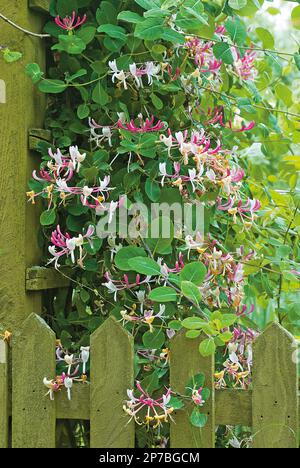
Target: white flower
[[68, 383], [77, 157], [87, 192], [168, 142], [84, 356], [193, 176], [136, 75], [163, 172], [107, 134], [117, 74], [112, 288], [152, 71], [112, 209], [50, 385]]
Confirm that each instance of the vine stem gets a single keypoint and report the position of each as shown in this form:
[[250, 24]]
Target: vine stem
[[269, 109], [257, 49], [30, 33]]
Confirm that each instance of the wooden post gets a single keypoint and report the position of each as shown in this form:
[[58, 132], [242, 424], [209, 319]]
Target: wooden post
[[3, 395], [112, 373], [21, 108], [33, 414], [186, 361], [275, 390]]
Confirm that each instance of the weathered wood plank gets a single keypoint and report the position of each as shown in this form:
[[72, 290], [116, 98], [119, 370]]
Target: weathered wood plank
[[19, 221], [275, 390], [186, 361], [112, 373], [78, 408], [4, 407], [33, 414], [42, 6], [41, 279], [233, 407]]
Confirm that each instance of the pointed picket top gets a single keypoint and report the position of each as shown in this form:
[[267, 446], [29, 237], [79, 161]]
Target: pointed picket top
[[3, 394], [186, 361], [112, 373], [34, 415], [275, 389]]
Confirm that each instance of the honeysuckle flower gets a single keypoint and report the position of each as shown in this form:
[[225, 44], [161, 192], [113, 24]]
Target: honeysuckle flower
[[244, 65], [120, 285], [76, 157], [84, 356], [68, 383], [69, 23], [52, 386], [136, 74], [68, 245], [152, 71], [146, 126], [157, 411], [238, 125], [168, 142], [197, 397], [118, 74]]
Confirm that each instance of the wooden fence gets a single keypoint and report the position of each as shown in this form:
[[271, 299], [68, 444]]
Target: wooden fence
[[270, 408]]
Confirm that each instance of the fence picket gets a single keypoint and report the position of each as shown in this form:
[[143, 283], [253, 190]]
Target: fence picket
[[112, 373], [186, 361], [34, 415], [275, 390], [3, 394]]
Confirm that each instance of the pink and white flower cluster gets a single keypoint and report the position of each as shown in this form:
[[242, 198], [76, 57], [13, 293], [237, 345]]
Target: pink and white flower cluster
[[135, 75], [157, 411]]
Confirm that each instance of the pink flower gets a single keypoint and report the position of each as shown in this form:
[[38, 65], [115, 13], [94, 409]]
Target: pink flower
[[68, 23], [146, 126], [156, 411], [64, 245], [218, 118], [197, 397]]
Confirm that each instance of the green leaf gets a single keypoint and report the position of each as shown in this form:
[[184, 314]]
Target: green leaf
[[192, 334], [172, 36], [87, 33], [296, 17], [191, 291], [129, 17], [175, 325], [144, 266], [237, 31], [194, 272], [297, 60], [48, 217], [107, 13], [150, 29], [66, 7], [128, 253], [207, 347], [162, 235], [226, 337], [266, 38], [193, 323], [115, 32], [156, 101], [175, 403], [52, 86], [228, 320], [154, 340], [99, 95], [163, 294], [83, 111], [237, 4], [34, 72], [196, 381], [152, 189], [10, 56], [73, 45], [198, 419], [148, 4], [222, 51]]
